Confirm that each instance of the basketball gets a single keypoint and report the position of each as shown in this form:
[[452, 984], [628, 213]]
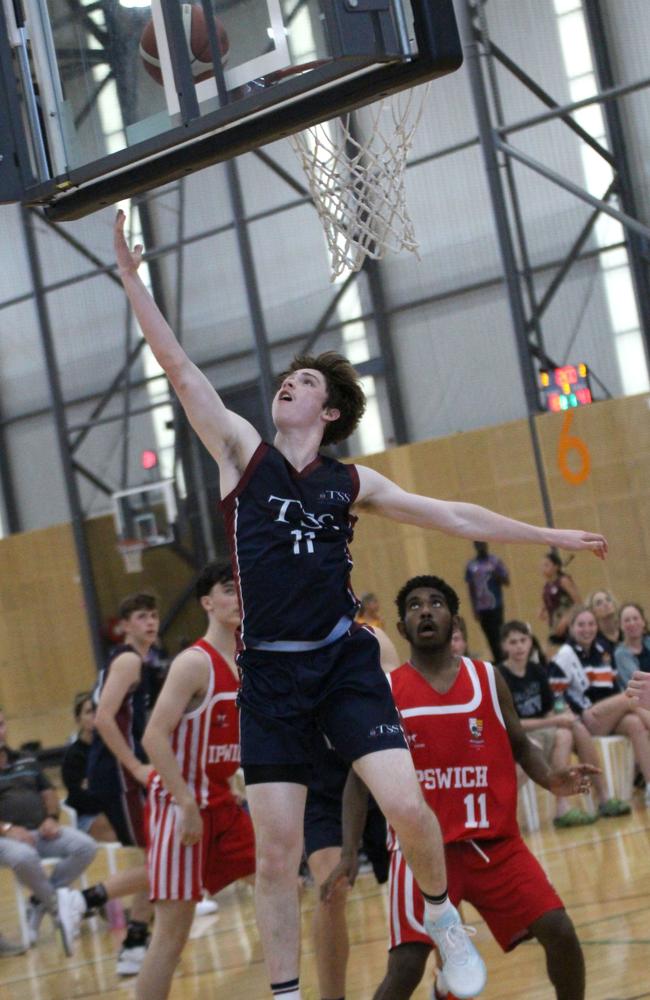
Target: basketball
[[198, 43]]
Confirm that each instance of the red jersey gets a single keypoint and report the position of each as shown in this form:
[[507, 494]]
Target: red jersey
[[461, 750], [206, 740]]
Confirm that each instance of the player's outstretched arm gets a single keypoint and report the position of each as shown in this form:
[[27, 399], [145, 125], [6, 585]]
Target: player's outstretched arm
[[380, 495], [185, 687], [226, 435]]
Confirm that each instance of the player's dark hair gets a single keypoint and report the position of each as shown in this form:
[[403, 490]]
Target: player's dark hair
[[553, 557], [142, 601], [214, 572], [344, 392], [434, 583], [79, 702], [514, 626]]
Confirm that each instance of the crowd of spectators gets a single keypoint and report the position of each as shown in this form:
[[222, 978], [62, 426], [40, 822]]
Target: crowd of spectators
[[577, 688]]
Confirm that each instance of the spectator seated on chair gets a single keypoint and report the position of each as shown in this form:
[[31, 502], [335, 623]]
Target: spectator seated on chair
[[605, 610], [552, 726], [633, 652], [583, 672], [30, 831], [90, 817]]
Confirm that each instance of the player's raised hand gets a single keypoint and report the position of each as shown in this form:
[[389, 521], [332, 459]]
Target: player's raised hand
[[128, 261], [575, 780], [577, 541]]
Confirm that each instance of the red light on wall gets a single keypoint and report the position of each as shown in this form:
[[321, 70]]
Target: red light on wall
[[148, 459]]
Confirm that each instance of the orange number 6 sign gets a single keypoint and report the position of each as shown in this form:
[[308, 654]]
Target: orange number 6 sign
[[568, 443]]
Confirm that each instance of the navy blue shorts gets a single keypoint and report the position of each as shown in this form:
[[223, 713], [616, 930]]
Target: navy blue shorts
[[122, 799], [287, 699], [323, 827], [323, 823]]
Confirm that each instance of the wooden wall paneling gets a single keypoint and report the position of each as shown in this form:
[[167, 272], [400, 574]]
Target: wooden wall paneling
[[45, 654]]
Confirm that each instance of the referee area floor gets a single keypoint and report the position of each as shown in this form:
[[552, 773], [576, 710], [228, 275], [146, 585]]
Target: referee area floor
[[602, 872]]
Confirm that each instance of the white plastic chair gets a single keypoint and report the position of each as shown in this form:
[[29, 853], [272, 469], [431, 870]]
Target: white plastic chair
[[528, 801], [618, 766], [110, 847]]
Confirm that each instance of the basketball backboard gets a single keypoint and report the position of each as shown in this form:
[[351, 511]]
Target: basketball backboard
[[146, 513], [88, 124]]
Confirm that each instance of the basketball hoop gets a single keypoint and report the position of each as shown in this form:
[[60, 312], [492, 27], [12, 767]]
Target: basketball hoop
[[131, 550], [357, 179]]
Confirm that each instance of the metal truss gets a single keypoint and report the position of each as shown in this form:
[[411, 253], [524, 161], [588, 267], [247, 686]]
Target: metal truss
[[528, 305]]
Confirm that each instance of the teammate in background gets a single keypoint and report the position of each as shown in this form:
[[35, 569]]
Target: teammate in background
[[465, 736], [323, 842], [198, 835], [486, 576], [305, 665], [117, 768]]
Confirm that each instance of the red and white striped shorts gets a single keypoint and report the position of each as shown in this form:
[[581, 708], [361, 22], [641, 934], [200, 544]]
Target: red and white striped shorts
[[225, 853]]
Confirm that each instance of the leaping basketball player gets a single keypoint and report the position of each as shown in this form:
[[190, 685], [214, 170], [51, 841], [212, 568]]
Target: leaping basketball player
[[304, 662], [198, 835]]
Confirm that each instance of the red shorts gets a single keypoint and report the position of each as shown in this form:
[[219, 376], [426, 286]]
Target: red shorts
[[225, 853], [510, 890]]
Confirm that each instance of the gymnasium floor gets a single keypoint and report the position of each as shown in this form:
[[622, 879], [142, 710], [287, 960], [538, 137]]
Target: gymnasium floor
[[602, 872]]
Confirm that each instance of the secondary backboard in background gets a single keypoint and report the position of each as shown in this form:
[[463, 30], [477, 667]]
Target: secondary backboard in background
[[146, 513], [88, 125]]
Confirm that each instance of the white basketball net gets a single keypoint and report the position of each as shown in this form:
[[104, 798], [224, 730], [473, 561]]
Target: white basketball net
[[357, 180], [131, 551]]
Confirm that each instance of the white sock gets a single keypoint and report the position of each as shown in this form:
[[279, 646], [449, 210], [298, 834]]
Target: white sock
[[433, 911], [288, 990]]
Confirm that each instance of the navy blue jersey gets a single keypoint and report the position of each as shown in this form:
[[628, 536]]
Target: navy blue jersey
[[289, 534], [131, 719]]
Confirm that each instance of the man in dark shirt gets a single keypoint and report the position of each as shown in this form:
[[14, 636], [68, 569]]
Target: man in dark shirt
[[30, 830], [486, 576]]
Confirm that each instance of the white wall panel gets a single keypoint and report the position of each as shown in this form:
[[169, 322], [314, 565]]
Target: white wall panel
[[457, 365], [456, 356]]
